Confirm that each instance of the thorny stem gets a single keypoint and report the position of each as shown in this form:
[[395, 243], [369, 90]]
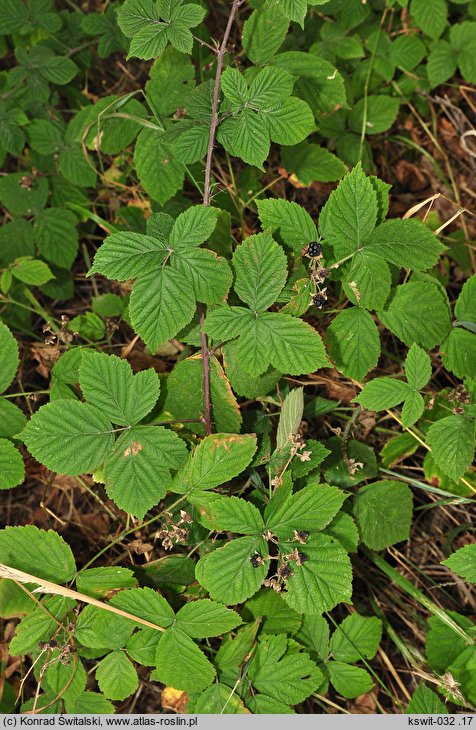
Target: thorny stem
[[206, 201]]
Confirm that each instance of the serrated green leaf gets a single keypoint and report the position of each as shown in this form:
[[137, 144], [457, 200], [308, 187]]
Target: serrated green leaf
[[12, 468], [412, 410], [275, 614], [374, 114], [193, 227], [161, 304], [40, 624], [233, 651], [116, 676], [160, 174], [344, 529], [38, 552], [137, 470], [442, 63], [462, 41], [228, 574], [246, 136], [228, 513], [181, 664], [67, 680], [317, 452], [126, 255], [322, 581], [290, 122], [350, 214], [417, 313], [443, 645], [92, 703], [417, 367], [9, 360], [465, 307], [261, 113], [430, 17], [142, 645], [147, 604], [209, 275], [452, 443], [218, 699], [295, 225], [263, 33], [463, 562], [349, 681], [204, 618], [367, 280], [287, 677], [108, 383], [336, 466], [12, 419], [405, 243], [171, 80], [293, 9], [407, 51], [318, 82], [296, 347], [56, 236], [69, 437], [356, 638], [425, 702], [383, 393], [99, 582], [31, 271], [383, 511], [309, 509], [21, 199], [290, 417], [260, 270], [219, 458], [308, 162], [354, 342]]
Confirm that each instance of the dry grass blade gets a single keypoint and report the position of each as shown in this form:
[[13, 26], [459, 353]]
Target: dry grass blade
[[46, 586]]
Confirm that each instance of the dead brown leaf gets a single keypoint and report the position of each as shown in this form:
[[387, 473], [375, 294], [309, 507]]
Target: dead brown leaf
[[174, 699]]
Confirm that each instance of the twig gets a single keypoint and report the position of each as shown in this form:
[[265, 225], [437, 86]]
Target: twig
[[216, 95], [220, 53], [207, 403]]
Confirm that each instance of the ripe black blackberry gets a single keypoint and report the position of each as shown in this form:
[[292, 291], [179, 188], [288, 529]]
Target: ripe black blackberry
[[314, 249], [285, 572], [302, 557], [319, 300], [256, 560]]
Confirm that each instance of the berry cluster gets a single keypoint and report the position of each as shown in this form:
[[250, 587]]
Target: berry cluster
[[319, 300], [314, 249]]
